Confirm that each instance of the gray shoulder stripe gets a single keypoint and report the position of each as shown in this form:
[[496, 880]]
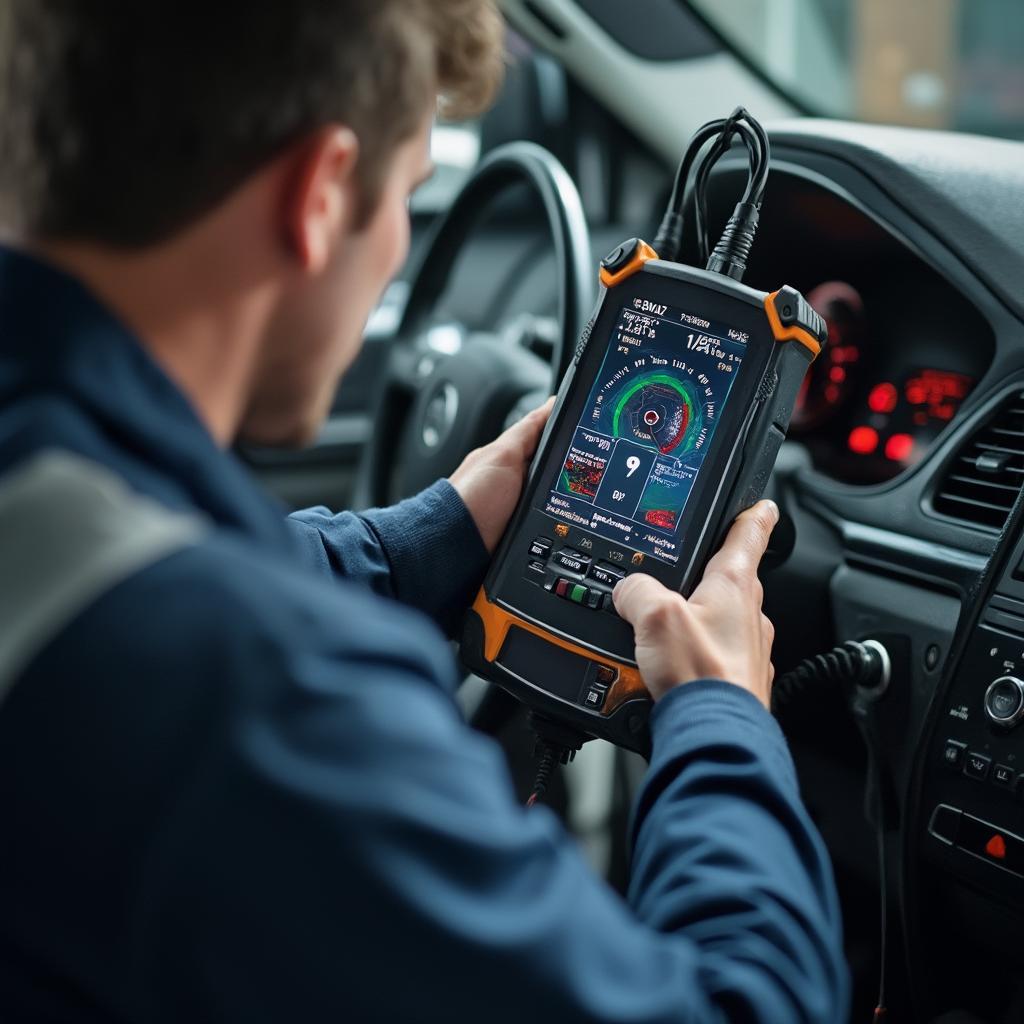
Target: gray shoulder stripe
[[70, 530]]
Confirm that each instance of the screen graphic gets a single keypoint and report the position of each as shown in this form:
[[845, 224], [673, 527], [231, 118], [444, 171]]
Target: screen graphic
[[647, 427]]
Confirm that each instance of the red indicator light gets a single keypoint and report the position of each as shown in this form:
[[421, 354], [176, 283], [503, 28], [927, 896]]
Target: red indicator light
[[862, 440], [899, 447], [837, 375], [996, 847], [883, 398]]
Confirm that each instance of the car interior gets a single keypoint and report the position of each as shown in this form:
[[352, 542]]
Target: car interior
[[894, 204]]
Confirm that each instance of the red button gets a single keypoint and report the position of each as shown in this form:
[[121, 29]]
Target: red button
[[561, 587], [996, 847]]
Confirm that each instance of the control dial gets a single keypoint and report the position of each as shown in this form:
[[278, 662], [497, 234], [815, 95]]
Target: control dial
[[1004, 701]]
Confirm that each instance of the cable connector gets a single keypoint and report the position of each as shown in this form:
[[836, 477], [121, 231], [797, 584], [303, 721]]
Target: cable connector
[[733, 249], [864, 667], [669, 239]]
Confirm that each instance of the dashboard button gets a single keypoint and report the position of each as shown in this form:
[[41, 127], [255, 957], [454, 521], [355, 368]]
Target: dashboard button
[[953, 753], [1004, 701], [606, 675], [976, 766], [1003, 775], [578, 593], [594, 698], [595, 599], [991, 843], [562, 587], [572, 561]]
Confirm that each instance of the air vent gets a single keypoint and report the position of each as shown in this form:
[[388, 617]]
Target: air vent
[[986, 475]]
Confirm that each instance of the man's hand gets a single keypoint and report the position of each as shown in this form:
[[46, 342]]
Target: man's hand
[[490, 479], [719, 632]]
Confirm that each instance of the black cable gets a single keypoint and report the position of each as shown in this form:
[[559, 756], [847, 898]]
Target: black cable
[[731, 253], [549, 757], [668, 241], [862, 670], [556, 744], [733, 249], [883, 887], [756, 170]]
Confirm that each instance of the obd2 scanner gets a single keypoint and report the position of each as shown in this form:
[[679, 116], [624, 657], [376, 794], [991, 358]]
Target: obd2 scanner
[[666, 427]]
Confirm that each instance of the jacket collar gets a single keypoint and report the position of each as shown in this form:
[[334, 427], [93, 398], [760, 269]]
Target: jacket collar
[[57, 338]]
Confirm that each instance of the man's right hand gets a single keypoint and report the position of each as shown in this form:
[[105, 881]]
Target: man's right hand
[[720, 631]]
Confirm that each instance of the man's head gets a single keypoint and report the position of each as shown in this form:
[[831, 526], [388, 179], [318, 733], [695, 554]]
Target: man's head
[[130, 128]]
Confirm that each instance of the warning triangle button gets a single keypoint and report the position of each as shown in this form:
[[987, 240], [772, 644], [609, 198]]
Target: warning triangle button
[[996, 847]]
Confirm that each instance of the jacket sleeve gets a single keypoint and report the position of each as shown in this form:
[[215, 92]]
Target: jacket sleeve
[[425, 551], [355, 852]]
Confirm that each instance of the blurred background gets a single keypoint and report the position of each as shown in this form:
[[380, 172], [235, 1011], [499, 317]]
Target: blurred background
[[956, 64]]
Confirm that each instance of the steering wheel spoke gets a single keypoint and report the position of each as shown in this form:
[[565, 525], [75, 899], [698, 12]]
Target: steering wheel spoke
[[448, 391]]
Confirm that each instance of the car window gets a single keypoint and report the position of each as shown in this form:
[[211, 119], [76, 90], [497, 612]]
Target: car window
[[927, 63]]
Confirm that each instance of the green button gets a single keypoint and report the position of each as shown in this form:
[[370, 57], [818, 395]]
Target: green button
[[578, 593]]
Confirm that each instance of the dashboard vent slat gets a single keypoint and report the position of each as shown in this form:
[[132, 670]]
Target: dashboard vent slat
[[961, 478], [983, 480]]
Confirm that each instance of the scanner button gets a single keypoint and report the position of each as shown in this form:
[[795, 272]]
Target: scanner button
[[572, 561], [578, 594], [536, 568], [607, 574]]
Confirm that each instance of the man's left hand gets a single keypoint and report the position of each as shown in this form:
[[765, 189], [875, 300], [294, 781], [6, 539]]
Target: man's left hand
[[491, 478]]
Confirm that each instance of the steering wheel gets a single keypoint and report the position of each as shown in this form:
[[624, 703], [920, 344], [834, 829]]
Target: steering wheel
[[447, 392]]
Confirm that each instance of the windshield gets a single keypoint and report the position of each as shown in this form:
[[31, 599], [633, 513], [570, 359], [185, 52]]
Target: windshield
[[956, 64]]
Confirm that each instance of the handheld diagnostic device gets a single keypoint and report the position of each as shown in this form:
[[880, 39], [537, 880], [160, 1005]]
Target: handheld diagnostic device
[[666, 426]]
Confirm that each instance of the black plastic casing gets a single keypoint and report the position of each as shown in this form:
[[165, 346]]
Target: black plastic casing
[[538, 670]]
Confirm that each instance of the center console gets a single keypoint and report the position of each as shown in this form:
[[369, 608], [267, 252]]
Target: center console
[[964, 864]]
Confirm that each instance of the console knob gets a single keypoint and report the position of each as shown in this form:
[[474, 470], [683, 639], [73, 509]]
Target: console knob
[[1004, 701]]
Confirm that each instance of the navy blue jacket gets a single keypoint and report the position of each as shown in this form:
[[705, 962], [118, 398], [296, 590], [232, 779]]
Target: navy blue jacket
[[236, 787]]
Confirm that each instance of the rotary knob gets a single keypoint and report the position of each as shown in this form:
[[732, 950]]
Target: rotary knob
[[1004, 701]]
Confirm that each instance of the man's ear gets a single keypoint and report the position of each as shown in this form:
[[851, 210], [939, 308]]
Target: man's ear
[[320, 196]]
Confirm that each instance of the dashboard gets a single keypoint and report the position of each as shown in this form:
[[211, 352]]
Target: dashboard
[[905, 349]]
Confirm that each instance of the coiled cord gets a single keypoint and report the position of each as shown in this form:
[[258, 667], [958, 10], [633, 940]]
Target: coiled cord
[[861, 666], [862, 669], [549, 757]]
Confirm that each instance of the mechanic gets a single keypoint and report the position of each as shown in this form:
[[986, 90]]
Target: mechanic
[[234, 782]]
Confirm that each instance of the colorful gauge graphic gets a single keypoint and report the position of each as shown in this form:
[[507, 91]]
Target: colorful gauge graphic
[[658, 410]]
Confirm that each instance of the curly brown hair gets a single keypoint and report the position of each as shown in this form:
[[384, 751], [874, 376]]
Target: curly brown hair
[[122, 122]]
